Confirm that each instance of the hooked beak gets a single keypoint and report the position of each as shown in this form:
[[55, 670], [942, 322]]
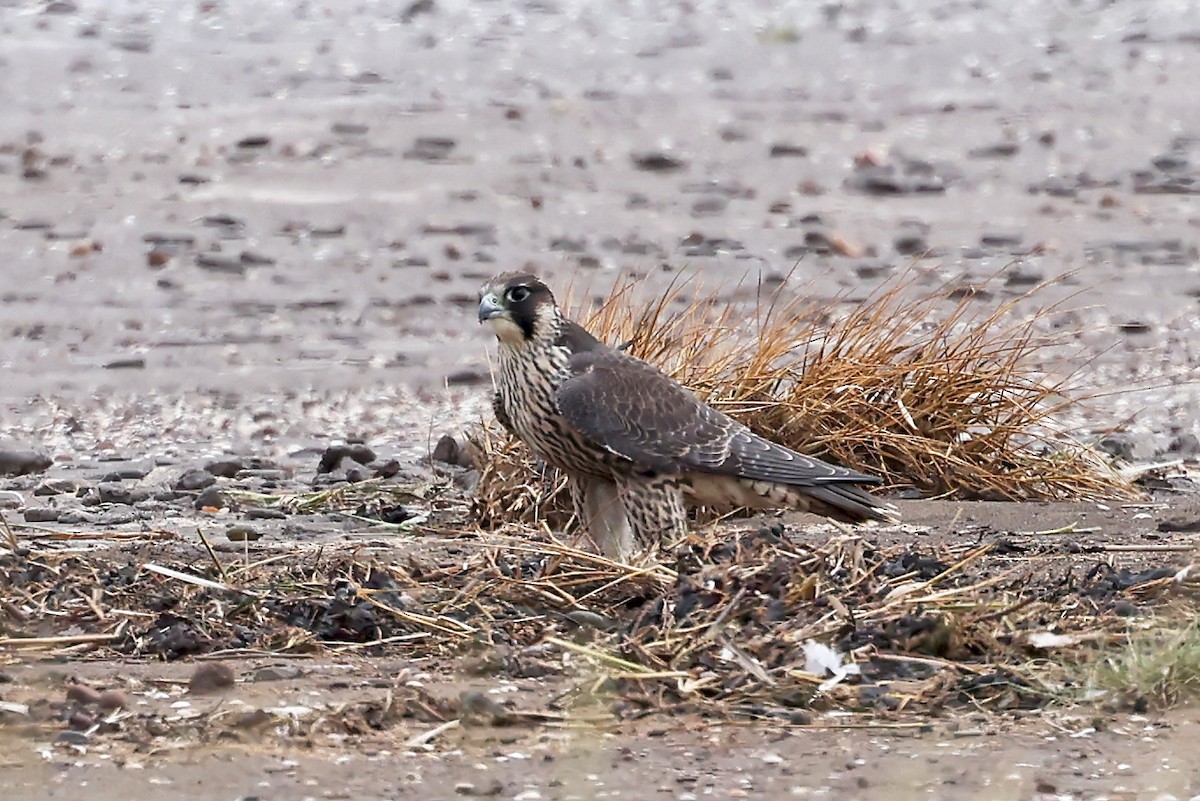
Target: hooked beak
[[490, 306]]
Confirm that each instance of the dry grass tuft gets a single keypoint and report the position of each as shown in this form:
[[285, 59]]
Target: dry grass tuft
[[921, 390]]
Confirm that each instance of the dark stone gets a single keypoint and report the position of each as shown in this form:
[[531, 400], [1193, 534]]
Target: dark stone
[[195, 479], [55, 486], [431, 148], [1125, 609], [113, 492], [277, 673], [131, 363], [263, 474], [1120, 446], [211, 498], [130, 473], [211, 676], [349, 128], [783, 150], [449, 451], [1184, 445], [1188, 525], [42, 514], [1003, 150], [242, 533], [381, 468], [467, 376], [910, 244], [225, 468], [657, 162], [259, 513], [21, 463], [221, 263], [334, 455], [416, 9]]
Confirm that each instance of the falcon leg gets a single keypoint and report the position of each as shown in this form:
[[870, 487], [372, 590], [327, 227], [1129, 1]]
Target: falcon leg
[[598, 508], [654, 506]]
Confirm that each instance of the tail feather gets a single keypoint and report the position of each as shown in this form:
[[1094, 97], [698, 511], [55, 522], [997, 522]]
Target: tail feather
[[850, 503]]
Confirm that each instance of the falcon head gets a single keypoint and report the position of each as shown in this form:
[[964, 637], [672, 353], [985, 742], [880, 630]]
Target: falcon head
[[519, 308]]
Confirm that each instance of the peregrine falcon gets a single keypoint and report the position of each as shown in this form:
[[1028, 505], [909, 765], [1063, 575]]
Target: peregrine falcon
[[634, 443]]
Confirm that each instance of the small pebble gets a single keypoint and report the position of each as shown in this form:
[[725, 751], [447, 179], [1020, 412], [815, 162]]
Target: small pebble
[[195, 479], [241, 533], [83, 694], [112, 699], [72, 738], [211, 676]]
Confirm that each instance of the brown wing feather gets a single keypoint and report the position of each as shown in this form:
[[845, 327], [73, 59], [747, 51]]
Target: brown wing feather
[[635, 411]]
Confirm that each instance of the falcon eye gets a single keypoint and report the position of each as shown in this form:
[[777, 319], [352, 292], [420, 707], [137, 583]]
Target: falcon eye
[[518, 294]]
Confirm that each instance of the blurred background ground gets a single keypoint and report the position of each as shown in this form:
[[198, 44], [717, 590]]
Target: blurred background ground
[[268, 199]]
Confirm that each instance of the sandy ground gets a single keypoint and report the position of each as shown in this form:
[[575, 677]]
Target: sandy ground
[[254, 228]]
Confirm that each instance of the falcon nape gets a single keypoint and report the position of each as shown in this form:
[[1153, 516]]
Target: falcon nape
[[633, 443]]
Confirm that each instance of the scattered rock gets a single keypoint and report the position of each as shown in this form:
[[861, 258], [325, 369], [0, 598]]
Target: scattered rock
[[77, 517], [129, 363], [909, 177], [210, 677], [72, 738], [910, 244], [657, 162], [221, 263], [334, 454], [261, 513], [225, 468], [1188, 525], [83, 694], [1023, 275], [277, 673], [449, 451], [1125, 609], [242, 533], [416, 9], [253, 142], [349, 129], [431, 148], [1001, 240], [1120, 446], [1184, 445], [211, 498], [1002, 150], [55, 486], [476, 707], [110, 700], [489, 789], [113, 492], [20, 463], [133, 42], [783, 150], [41, 514], [195, 479], [127, 473]]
